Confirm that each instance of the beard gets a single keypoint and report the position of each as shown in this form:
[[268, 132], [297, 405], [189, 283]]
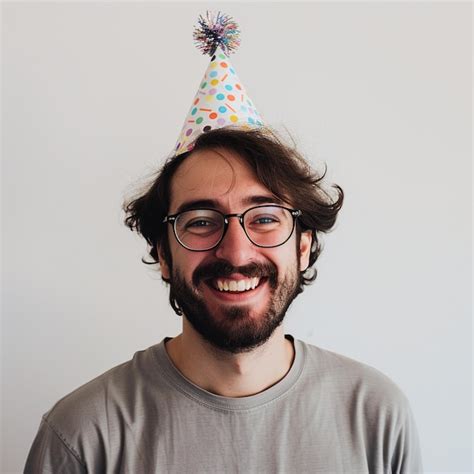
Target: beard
[[235, 329]]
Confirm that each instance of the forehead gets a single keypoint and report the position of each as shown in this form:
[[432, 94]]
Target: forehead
[[218, 174]]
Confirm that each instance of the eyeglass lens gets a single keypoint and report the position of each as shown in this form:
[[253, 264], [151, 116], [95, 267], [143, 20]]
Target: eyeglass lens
[[201, 229]]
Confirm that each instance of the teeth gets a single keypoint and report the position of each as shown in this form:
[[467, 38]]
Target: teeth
[[237, 285]]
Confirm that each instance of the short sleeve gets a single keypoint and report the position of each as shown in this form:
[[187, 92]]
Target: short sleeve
[[407, 454], [50, 453]]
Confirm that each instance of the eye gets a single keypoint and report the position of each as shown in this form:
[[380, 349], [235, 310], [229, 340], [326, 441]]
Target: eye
[[200, 223], [265, 220]]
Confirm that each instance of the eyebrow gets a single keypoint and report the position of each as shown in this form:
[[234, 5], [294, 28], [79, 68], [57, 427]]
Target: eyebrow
[[212, 203]]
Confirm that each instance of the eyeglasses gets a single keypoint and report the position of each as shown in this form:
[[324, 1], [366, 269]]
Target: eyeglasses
[[203, 229]]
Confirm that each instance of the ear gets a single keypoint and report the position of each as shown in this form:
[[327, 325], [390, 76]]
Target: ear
[[165, 269], [306, 241]]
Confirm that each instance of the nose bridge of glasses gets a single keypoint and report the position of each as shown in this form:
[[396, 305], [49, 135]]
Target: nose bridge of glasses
[[227, 222], [239, 216], [234, 242]]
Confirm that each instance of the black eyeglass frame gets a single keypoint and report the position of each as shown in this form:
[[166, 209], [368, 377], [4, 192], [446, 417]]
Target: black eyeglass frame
[[172, 218]]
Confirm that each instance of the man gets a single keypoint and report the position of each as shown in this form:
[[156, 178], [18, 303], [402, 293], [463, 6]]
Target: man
[[233, 220], [232, 392]]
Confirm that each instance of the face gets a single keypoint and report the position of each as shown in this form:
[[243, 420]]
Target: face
[[241, 319]]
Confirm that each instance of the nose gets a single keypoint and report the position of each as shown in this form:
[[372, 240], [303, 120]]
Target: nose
[[235, 247]]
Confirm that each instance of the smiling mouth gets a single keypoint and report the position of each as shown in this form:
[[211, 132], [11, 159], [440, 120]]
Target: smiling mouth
[[229, 285]]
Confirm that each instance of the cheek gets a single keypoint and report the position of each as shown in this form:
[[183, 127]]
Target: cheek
[[285, 258], [184, 261]]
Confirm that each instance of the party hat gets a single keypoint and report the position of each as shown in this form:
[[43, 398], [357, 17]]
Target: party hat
[[221, 99]]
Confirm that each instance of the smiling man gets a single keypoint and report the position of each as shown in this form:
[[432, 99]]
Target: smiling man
[[233, 220]]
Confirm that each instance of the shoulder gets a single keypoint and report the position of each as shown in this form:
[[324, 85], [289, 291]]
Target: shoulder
[[357, 383], [82, 416], [369, 403], [94, 392]]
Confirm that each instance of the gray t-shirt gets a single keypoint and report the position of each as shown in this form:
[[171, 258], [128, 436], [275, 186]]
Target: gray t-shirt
[[329, 414]]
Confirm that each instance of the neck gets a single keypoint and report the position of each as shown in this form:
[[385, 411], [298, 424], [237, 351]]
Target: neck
[[226, 374]]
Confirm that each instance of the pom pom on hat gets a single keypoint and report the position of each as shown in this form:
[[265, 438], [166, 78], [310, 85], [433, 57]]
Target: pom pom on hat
[[221, 99], [214, 32]]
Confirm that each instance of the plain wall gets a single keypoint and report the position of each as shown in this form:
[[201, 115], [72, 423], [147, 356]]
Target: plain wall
[[93, 98]]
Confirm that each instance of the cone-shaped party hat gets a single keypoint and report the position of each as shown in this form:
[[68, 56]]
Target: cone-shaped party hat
[[221, 98]]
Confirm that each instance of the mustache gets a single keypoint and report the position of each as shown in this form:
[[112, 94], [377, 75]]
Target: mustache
[[223, 268]]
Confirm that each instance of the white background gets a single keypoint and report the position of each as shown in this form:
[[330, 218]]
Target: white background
[[94, 96]]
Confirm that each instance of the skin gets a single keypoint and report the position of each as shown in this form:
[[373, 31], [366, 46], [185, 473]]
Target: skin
[[223, 176]]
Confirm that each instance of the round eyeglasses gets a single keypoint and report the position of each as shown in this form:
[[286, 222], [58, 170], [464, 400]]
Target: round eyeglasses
[[203, 229]]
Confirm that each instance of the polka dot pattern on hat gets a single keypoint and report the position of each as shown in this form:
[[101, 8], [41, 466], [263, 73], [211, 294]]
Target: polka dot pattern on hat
[[221, 100]]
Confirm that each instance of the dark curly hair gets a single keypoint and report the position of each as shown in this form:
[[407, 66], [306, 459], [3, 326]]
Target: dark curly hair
[[278, 166]]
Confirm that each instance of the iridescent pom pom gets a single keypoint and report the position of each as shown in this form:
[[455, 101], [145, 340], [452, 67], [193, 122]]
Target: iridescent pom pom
[[216, 31]]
